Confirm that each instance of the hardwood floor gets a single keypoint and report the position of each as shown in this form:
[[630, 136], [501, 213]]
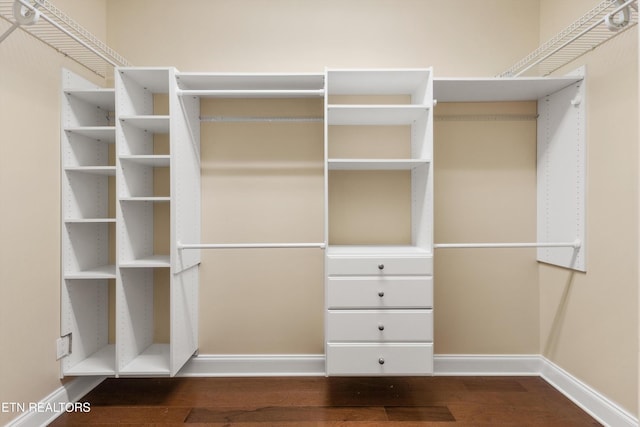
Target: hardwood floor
[[318, 401]]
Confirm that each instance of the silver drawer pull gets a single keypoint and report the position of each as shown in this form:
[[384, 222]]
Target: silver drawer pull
[[381, 294], [381, 327], [380, 266], [381, 361]]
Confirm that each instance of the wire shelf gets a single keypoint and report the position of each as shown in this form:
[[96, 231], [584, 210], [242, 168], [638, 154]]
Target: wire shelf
[[605, 21], [57, 30], [54, 28]]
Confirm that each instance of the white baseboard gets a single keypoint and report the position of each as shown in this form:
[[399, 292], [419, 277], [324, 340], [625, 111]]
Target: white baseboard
[[598, 406], [313, 365], [591, 401], [486, 365], [242, 365], [48, 409]]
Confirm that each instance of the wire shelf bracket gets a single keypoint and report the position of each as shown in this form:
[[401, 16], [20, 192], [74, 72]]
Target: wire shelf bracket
[[45, 22]]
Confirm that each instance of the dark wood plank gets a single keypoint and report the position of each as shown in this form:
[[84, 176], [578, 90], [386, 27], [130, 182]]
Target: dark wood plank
[[384, 391], [500, 414], [124, 415], [420, 413], [136, 391], [286, 414]]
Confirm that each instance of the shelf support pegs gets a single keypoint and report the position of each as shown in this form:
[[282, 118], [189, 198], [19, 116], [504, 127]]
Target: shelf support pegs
[[576, 101]]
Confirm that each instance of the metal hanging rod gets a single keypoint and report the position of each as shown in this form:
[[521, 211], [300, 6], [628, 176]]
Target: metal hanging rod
[[241, 119], [182, 246], [484, 117], [576, 244], [608, 19], [45, 22]]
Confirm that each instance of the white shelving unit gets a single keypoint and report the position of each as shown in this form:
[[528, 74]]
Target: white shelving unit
[[124, 231], [88, 264], [367, 333], [137, 129], [407, 97], [148, 214], [122, 161]]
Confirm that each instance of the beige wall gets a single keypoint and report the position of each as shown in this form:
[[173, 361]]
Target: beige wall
[[589, 322], [30, 75], [307, 35]]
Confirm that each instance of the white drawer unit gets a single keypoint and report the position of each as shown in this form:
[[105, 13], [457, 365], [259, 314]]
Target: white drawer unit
[[379, 359], [377, 323], [380, 292]]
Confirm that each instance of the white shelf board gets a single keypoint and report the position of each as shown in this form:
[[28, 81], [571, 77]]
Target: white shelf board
[[101, 272], [102, 98], [250, 82], [153, 124], [376, 82], [99, 133], [94, 170], [102, 362], [375, 164], [89, 220], [154, 360], [148, 160], [375, 114], [150, 261], [498, 88], [387, 250], [154, 79], [256, 93], [146, 199]]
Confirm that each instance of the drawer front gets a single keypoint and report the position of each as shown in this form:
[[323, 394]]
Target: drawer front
[[379, 359], [380, 325], [380, 265], [380, 292]]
